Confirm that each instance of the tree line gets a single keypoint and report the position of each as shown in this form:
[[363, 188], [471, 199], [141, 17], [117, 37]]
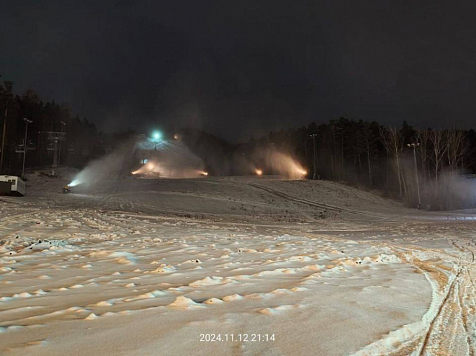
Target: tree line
[[423, 167], [427, 168], [83, 141]]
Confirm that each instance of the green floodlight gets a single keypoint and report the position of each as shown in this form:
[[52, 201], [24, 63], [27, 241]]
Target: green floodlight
[[157, 135]]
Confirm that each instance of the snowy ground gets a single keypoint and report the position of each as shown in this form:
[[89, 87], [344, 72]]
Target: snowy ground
[[262, 266]]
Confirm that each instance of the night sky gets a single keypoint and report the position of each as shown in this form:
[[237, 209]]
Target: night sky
[[242, 68]]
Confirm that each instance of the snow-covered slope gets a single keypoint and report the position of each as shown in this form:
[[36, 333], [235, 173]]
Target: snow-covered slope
[[258, 265], [243, 198]]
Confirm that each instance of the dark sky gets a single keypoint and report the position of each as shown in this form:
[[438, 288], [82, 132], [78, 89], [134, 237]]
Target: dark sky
[[238, 68]]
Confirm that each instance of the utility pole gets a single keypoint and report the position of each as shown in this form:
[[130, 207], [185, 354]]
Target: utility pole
[[63, 124], [414, 146], [55, 156], [25, 146], [314, 165], [8, 95], [4, 134], [156, 138], [55, 137]]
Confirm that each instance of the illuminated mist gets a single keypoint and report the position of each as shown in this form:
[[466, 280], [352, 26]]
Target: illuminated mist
[[272, 162], [111, 166], [174, 159]]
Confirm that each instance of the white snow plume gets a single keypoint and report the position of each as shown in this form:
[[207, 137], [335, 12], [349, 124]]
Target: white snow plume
[[173, 159], [283, 164], [110, 166], [452, 190]]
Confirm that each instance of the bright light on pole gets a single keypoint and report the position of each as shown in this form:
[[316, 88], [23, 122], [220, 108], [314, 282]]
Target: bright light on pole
[[156, 136]]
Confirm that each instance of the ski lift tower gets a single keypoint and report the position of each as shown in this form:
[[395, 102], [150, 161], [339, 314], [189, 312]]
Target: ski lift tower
[[55, 137]]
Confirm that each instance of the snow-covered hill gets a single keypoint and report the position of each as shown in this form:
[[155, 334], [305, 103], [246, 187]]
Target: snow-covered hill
[[235, 265]]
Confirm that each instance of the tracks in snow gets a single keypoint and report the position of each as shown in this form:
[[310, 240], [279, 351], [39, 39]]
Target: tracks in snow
[[333, 208], [453, 330], [449, 325]]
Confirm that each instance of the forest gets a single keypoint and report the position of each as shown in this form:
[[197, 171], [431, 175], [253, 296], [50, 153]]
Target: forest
[[423, 167], [428, 168], [77, 139]]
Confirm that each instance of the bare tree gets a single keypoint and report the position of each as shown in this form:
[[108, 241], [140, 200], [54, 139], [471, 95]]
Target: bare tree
[[456, 147], [385, 140], [392, 141], [423, 137], [369, 141], [440, 147]]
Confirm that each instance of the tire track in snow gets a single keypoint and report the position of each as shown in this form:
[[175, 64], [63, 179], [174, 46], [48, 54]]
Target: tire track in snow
[[447, 327], [451, 331], [436, 328], [315, 204]]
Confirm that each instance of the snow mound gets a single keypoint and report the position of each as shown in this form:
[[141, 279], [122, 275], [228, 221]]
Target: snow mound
[[164, 269], [184, 303], [233, 297], [277, 310], [91, 316], [214, 301], [209, 281], [151, 295]]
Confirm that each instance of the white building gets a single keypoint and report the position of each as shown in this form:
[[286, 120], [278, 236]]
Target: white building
[[12, 185]]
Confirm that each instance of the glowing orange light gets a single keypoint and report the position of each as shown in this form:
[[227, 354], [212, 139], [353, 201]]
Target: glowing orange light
[[259, 172], [203, 173], [176, 137], [150, 166]]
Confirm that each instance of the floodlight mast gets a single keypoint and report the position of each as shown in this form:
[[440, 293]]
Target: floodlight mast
[[55, 137], [414, 146], [156, 138], [4, 132], [25, 146], [63, 124], [314, 164]]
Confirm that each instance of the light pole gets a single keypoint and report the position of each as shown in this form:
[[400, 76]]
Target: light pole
[[8, 86], [25, 146], [414, 146], [63, 124], [156, 138], [4, 134], [314, 165]]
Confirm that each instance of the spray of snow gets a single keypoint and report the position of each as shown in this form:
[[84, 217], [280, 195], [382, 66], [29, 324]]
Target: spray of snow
[[110, 166], [172, 159], [98, 170], [281, 163]]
